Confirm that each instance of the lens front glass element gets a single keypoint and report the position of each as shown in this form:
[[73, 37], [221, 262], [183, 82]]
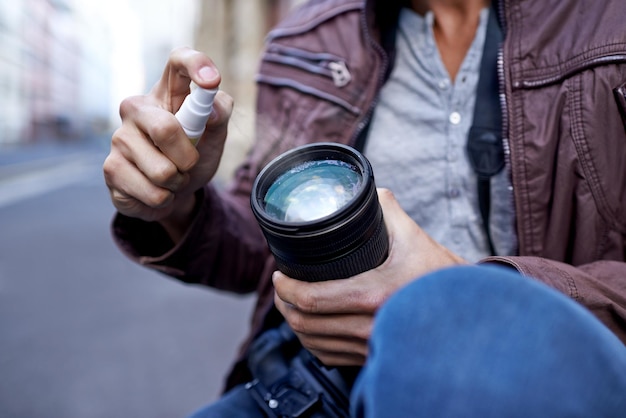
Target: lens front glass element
[[312, 190]]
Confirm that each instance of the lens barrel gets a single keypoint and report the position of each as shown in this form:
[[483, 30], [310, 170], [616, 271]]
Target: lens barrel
[[332, 243]]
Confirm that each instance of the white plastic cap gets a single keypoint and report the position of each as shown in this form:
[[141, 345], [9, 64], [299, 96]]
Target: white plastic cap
[[195, 111]]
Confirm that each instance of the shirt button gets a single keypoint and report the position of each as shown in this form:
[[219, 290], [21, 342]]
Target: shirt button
[[455, 118], [454, 193], [444, 84]]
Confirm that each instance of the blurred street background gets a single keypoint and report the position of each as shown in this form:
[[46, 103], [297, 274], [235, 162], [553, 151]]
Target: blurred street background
[[83, 331]]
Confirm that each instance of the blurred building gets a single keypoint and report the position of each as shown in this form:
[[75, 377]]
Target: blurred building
[[65, 65], [13, 113], [232, 33], [43, 62]]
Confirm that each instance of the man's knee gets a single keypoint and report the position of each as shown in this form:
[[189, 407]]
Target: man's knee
[[487, 338]]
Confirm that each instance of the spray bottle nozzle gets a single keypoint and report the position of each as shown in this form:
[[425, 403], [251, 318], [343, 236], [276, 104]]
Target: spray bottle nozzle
[[195, 111]]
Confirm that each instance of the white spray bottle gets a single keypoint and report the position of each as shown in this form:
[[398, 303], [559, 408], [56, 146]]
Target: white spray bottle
[[195, 111]]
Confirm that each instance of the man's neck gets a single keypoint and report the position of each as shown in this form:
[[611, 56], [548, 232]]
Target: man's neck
[[462, 7], [455, 26]]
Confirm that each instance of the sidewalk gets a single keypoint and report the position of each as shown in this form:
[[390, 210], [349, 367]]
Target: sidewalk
[[84, 331], [32, 169], [44, 153]]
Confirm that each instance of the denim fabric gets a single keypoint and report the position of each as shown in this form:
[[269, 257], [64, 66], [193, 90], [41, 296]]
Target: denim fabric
[[479, 341], [237, 403], [487, 342]]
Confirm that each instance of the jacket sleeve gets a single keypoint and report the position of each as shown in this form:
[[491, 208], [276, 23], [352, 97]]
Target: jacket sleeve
[[600, 286], [223, 248]]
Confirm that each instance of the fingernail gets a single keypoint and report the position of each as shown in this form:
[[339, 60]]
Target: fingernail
[[207, 73]]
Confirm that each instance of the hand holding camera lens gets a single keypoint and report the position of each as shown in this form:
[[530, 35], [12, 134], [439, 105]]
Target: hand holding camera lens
[[318, 208], [333, 319]]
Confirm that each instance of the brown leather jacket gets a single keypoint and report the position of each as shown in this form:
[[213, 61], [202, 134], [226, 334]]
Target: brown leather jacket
[[563, 78]]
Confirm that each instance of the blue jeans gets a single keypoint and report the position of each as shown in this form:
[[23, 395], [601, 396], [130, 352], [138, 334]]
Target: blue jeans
[[478, 341], [487, 342], [236, 403]]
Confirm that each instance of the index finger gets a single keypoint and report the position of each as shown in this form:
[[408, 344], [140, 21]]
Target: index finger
[[343, 296], [183, 66], [166, 134]]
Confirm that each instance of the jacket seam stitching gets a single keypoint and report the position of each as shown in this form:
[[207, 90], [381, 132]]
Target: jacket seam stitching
[[547, 75], [588, 54], [281, 32]]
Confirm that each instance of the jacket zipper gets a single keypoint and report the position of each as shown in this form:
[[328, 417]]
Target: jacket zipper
[[506, 140], [318, 63], [502, 89], [325, 64]]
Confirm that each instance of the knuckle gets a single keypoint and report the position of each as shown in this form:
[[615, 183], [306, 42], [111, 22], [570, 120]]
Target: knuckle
[[386, 194], [307, 303], [228, 100], [163, 173], [110, 167], [329, 359], [373, 302], [369, 302], [176, 51], [159, 198], [188, 57], [179, 52], [312, 345], [191, 161], [358, 358], [129, 106], [165, 133], [320, 355], [224, 105], [297, 323], [118, 139], [363, 333], [119, 199]]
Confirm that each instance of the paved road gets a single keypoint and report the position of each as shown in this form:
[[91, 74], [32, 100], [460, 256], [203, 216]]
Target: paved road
[[83, 331]]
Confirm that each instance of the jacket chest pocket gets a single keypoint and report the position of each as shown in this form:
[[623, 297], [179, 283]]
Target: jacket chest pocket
[[304, 96], [323, 75], [320, 63], [598, 129]]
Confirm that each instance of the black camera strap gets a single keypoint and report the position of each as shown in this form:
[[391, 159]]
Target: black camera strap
[[484, 144]]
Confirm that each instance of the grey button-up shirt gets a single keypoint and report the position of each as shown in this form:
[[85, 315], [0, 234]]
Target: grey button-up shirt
[[417, 142]]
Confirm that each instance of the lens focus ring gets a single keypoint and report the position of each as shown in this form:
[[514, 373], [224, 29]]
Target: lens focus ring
[[368, 256]]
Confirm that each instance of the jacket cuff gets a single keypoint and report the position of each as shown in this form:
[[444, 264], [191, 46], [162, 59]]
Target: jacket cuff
[[148, 243], [552, 273]]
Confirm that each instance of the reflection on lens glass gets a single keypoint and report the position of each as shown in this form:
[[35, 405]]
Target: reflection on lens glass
[[312, 191]]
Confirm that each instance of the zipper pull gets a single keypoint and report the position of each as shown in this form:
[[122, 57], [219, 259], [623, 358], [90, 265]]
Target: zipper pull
[[340, 73]]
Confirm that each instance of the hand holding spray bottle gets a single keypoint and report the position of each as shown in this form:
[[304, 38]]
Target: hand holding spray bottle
[[195, 111]]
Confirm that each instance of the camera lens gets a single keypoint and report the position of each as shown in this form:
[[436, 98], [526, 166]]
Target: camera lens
[[318, 208], [312, 190]]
